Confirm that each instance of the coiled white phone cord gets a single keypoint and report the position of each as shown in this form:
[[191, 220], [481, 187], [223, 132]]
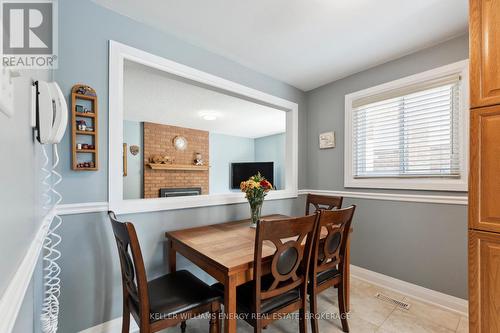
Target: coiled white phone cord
[[52, 281]]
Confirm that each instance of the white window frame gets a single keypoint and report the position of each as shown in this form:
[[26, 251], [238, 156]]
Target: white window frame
[[118, 53], [433, 184]]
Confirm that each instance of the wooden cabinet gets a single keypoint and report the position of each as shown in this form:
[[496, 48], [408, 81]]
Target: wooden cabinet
[[484, 180], [484, 188], [484, 282], [484, 28]]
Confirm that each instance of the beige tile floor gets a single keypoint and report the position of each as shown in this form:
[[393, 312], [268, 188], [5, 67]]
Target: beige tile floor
[[368, 314]]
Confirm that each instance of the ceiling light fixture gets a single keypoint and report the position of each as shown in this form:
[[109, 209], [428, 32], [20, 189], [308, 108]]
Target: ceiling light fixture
[[209, 115]]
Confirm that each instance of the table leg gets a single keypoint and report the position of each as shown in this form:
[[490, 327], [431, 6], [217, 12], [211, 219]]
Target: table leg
[[347, 275], [230, 304], [172, 257]]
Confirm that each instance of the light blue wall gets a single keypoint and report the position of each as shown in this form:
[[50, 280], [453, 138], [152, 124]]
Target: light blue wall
[[272, 149], [91, 289], [132, 183], [224, 150], [85, 59]]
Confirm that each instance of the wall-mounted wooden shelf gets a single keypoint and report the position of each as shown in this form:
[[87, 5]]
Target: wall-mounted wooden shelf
[[85, 133], [177, 167], [85, 115], [84, 96]]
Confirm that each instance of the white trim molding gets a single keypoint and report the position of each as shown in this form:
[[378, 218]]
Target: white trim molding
[[460, 68], [424, 198], [82, 208], [13, 297], [118, 54], [112, 326], [419, 293], [96, 207]]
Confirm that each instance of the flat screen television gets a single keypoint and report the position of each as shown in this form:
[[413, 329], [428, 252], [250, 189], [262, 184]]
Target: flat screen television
[[243, 171]]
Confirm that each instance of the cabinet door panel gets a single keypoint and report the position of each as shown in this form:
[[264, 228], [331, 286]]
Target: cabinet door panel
[[484, 282], [485, 52], [484, 182]]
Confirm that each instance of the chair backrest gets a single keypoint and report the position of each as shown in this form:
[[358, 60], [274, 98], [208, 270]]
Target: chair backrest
[[322, 202], [293, 239], [329, 251], [134, 280]]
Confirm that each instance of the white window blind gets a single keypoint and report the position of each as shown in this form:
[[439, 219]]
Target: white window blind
[[409, 132]]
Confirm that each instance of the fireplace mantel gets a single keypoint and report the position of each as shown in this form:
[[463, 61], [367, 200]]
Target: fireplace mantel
[[178, 167]]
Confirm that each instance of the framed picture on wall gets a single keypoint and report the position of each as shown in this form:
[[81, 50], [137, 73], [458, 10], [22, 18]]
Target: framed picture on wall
[[327, 140]]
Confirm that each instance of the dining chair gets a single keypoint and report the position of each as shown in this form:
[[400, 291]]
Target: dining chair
[[322, 202], [283, 289], [328, 255], [165, 301]]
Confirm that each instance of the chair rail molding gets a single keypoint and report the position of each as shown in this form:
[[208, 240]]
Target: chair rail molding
[[423, 198], [96, 207], [13, 297], [82, 208]]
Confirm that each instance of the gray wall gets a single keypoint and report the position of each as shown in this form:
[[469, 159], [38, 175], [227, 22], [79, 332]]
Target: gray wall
[[91, 289], [421, 243], [20, 196]]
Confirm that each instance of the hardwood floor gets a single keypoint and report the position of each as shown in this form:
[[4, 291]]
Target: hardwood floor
[[368, 314]]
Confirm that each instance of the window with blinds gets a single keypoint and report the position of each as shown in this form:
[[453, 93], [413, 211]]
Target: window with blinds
[[409, 132]]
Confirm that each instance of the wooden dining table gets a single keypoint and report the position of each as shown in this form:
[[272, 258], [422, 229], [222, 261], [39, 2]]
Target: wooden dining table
[[226, 252]]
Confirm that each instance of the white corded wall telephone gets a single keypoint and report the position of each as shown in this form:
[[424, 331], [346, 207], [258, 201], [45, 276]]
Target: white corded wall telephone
[[51, 112], [50, 118]]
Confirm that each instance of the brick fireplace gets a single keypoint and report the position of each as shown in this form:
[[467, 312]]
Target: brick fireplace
[[158, 140]]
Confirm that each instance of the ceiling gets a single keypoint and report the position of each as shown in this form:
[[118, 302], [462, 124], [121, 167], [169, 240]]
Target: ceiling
[[305, 43], [155, 96]]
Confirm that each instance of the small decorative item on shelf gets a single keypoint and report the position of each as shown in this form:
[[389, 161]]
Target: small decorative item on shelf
[[198, 159], [81, 125], [85, 90], [79, 146], [89, 129], [86, 165], [256, 189]]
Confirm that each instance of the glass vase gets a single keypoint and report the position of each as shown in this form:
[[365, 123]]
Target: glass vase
[[255, 211]]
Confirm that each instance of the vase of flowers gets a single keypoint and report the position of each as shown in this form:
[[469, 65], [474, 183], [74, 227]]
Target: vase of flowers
[[256, 189]]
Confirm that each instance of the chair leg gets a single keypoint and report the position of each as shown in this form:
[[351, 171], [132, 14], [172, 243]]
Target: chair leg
[[342, 312], [183, 326], [258, 326], [215, 318], [314, 311], [125, 318], [302, 320]]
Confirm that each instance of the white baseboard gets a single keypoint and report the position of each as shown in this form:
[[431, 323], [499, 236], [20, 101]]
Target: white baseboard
[[13, 297], [112, 326], [433, 297]]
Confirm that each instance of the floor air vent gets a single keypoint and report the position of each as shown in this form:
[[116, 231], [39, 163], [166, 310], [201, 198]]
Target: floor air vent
[[400, 304]]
